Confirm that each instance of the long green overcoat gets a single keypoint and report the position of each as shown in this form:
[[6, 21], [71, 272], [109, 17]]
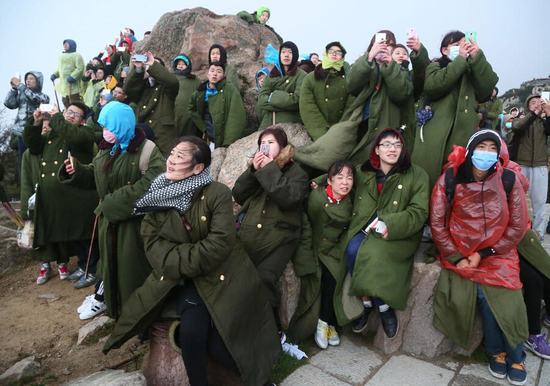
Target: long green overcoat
[[62, 213], [323, 101], [227, 111], [155, 105], [323, 237], [210, 255], [184, 122], [232, 76], [384, 266], [280, 99], [122, 266], [271, 200], [454, 92]]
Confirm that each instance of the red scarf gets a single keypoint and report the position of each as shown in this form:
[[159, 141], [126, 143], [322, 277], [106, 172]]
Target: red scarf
[[331, 196]]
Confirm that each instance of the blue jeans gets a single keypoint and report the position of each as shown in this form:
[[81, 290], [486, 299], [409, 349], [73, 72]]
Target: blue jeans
[[351, 256], [495, 341]]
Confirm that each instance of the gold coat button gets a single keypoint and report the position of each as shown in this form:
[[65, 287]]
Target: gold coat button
[[202, 198], [466, 111], [53, 174], [203, 218], [466, 97], [161, 278], [61, 150], [326, 205], [43, 175], [129, 182], [144, 107], [343, 86], [263, 211], [376, 128], [133, 164], [259, 226], [532, 240], [343, 76], [221, 90], [150, 121], [157, 89], [360, 197], [354, 213], [222, 277], [399, 186], [326, 100], [288, 81], [43, 163], [395, 203], [341, 99], [341, 111], [327, 86], [49, 142], [324, 239], [152, 111], [155, 99], [55, 162]]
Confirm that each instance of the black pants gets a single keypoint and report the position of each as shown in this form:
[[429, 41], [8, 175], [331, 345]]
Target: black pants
[[198, 336], [328, 286], [535, 287], [82, 249]]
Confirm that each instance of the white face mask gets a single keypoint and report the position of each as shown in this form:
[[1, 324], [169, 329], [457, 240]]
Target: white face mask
[[453, 52]]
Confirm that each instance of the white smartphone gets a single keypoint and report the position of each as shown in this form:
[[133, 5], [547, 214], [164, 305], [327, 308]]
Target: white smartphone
[[411, 33], [71, 159], [380, 36], [121, 49], [545, 95], [17, 74], [46, 107], [264, 148]]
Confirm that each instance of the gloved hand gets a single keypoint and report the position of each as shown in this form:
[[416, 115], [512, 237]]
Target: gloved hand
[[53, 77], [70, 79]]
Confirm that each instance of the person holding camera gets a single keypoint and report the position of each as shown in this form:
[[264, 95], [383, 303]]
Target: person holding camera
[[69, 71]]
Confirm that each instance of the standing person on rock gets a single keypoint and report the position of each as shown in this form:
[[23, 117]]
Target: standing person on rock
[[390, 209], [25, 97], [324, 93], [217, 53], [217, 109], [70, 70], [261, 16], [198, 264], [280, 94], [120, 173], [189, 82], [261, 74], [480, 262], [271, 192], [154, 90], [454, 85], [63, 216]]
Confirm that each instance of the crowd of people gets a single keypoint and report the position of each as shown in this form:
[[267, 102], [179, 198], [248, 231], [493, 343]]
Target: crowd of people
[[404, 147]]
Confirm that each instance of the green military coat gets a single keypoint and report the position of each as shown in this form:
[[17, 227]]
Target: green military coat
[[323, 101], [155, 105], [62, 213], [495, 108], [122, 265], [227, 111], [184, 122], [210, 255], [454, 92], [384, 266], [280, 99], [232, 76]]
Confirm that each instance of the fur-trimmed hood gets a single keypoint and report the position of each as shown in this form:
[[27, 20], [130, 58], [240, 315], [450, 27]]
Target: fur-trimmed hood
[[285, 157]]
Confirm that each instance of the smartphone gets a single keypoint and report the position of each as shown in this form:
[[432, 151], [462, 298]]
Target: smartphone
[[105, 92], [71, 159], [46, 107], [545, 95], [264, 148], [17, 74], [121, 49], [471, 36], [140, 58], [411, 33], [380, 36]]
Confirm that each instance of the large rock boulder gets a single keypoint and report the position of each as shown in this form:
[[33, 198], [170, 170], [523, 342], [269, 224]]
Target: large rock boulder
[[25, 368], [193, 31], [110, 378], [11, 256]]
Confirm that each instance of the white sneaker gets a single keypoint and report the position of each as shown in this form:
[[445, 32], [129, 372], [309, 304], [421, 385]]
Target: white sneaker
[[46, 272], [93, 308], [322, 334], [84, 306], [333, 338]]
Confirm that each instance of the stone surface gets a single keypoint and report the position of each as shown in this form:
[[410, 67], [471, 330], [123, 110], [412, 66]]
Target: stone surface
[[404, 370], [544, 379], [470, 380], [110, 378], [350, 362], [88, 329], [193, 31], [311, 376], [218, 156], [27, 367], [289, 285], [12, 257], [532, 365]]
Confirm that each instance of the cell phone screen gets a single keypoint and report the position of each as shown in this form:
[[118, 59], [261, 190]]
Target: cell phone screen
[[411, 33], [380, 36], [264, 148]]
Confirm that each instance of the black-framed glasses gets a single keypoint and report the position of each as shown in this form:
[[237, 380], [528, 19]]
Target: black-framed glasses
[[337, 52], [387, 145], [71, 112]]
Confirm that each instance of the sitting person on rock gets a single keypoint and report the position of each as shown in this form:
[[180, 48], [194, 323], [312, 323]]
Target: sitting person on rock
[[154, 89], [280, 94], [324, 93], [217, 53], [190, 241], [390, 208], [260, 77], [324, 225], [189, 82], [478, 216], [261, 16], [271, 192], [217, 109]]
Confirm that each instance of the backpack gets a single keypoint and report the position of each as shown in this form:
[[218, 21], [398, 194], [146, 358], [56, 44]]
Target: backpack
[[145, 156], [508, 181]]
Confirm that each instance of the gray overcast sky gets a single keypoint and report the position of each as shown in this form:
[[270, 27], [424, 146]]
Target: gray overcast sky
[[513, 34]]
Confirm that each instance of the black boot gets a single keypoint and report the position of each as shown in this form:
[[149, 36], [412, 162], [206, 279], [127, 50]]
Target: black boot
[[390, 323], [361, 323]]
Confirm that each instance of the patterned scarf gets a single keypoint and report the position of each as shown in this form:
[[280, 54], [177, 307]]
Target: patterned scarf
[[164, 194]]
